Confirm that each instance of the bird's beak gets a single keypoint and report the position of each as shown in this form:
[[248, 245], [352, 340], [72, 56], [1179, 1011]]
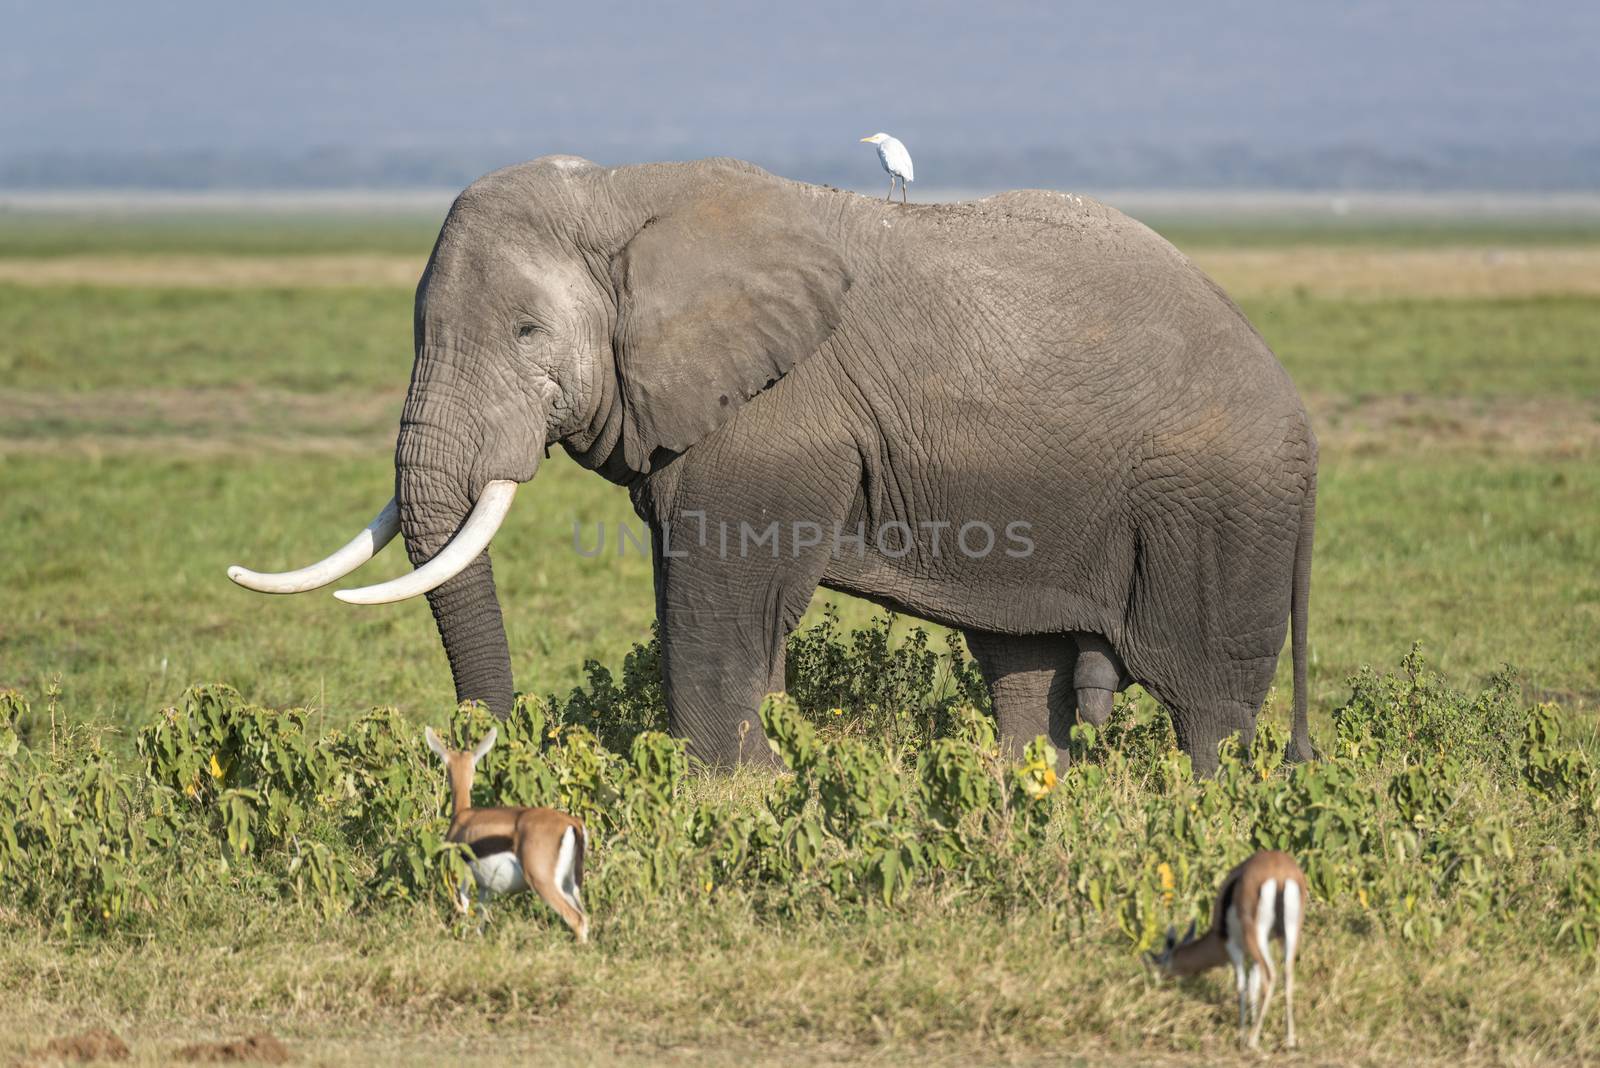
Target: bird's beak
[[866, 139]]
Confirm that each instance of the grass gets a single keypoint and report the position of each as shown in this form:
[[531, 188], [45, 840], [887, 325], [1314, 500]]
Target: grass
[[70, 233], [153, 436], [1451, 348], [1192, 234], [73, 338], [955, 988]]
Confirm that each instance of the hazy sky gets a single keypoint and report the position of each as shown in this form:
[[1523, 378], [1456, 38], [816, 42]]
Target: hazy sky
[[631, 81]]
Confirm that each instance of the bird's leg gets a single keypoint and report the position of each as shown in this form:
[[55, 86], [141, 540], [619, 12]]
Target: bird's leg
[[903, 199], [891, 189]]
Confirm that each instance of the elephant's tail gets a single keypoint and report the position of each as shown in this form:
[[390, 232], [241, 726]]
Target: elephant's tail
[[1300, 747]]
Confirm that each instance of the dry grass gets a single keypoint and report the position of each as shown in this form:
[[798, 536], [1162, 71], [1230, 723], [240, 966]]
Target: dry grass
[[1547, 427], [205, 270], [218, 421], [719, 987], [193, 421], [1376, 273], [1330, 271]]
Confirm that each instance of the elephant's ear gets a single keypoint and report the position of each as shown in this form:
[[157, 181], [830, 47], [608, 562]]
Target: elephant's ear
[[719, 297]]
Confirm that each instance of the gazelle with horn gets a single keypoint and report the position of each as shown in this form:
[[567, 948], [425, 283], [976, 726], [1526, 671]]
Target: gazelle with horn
[[515, 848], [1262, 899]]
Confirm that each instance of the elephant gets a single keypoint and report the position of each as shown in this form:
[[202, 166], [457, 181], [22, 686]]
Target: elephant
[[802, 386]]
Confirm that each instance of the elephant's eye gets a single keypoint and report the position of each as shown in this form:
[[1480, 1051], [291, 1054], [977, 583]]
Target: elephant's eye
[[525, 331]]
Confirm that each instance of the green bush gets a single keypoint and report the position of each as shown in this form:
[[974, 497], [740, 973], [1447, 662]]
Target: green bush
[[1416, 715], [1438, 810]]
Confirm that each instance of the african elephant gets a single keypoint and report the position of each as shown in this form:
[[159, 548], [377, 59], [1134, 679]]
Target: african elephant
[[891, 386]]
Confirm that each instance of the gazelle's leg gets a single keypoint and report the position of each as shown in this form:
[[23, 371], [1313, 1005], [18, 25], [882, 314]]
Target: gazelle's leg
[[547, 876], [1266, 1000], [1241, 979], [1291, 942], [1258, 944], [1230, 927], [1288, 999], [1254, 984], [569, 874]]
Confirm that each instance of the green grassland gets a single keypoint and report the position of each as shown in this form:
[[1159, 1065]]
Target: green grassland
[[25, 234], [150, 437], [294, 232]]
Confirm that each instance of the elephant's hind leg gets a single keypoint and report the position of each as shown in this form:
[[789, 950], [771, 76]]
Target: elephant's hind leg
[[1208, 615], [1030, 682]]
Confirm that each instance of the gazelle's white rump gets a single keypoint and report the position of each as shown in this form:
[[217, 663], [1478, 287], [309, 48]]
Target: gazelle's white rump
[[357, 551], [566, 880], [498, 873], [1266, 914], [473, 537]]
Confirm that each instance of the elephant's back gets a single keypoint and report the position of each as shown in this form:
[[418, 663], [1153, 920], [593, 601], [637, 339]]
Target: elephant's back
[[1038, 346], [1097, 317]]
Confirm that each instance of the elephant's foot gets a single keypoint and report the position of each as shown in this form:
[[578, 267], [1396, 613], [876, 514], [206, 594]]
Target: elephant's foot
[[724, 736], [1200, 731]]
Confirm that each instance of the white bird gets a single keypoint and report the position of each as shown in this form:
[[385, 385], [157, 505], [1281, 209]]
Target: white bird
[[895, 159]]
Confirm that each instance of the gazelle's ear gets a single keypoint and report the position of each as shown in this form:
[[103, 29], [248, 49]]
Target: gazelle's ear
[[435, 744], [1189, 935], [485, 745], [1172, 937]]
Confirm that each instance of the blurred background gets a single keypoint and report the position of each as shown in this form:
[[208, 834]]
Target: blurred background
[[1236, 94], [212, 218]]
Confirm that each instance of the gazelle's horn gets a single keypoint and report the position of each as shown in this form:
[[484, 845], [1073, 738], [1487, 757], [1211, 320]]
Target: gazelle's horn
[[361, 548], [473, 537]]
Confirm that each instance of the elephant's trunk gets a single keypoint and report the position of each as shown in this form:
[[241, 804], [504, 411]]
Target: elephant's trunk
[[466, 606], [442, 487]]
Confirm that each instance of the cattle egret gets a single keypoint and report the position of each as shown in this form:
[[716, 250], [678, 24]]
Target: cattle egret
[[895, 159]]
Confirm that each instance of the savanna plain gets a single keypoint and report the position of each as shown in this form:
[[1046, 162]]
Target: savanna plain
[[217, 816]]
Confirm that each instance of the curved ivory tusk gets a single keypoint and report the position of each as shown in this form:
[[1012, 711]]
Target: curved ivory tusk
[[473, 537], [361, 548]]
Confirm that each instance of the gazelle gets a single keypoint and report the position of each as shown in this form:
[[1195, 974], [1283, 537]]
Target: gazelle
[[1262, 899], [515, 848]]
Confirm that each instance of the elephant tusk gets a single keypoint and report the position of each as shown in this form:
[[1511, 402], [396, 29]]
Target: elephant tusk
[[361, 548], [473, 537]]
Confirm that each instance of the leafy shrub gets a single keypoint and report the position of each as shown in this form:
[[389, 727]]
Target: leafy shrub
[[1421, 822], [1417, 715], [906, 691], [617, 714]]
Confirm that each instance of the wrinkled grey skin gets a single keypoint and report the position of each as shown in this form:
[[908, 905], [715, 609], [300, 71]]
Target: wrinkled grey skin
[[725, 342]]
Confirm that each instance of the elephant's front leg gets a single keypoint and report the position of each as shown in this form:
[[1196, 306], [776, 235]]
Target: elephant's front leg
[[738, 555], [725, 612]]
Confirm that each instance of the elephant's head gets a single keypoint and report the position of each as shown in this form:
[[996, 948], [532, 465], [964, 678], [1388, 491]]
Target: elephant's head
[[625, 313]]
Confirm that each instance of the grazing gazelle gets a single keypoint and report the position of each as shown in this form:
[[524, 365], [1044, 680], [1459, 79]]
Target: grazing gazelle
[[515, 848], [1262, 899]]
